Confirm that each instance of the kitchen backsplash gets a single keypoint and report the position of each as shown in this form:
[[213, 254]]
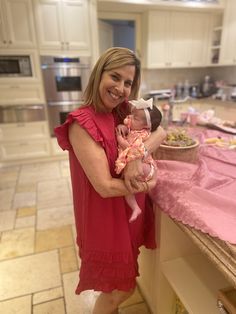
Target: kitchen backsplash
[[167, 78]]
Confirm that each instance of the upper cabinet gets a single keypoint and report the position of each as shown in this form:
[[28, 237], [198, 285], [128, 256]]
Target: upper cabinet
[[63, 25], [16, 24], [228, 50], [176, 39]]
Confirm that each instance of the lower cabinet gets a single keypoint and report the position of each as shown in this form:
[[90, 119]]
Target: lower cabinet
[[24, 149], [21, 94], [24, 140], [178, 270]]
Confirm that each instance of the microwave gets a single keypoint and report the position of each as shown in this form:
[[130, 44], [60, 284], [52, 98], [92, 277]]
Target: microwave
[[15, 66]]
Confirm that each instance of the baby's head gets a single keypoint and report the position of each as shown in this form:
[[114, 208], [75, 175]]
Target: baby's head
[[143, 118]]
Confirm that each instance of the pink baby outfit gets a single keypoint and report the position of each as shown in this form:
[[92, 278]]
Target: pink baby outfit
[[135, 149], [108, 243]]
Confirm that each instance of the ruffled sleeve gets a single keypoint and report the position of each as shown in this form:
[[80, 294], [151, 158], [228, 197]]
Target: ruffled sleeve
[[83, 116]]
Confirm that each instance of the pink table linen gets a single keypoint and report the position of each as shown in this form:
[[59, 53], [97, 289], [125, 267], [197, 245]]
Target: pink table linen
[[201, 195]]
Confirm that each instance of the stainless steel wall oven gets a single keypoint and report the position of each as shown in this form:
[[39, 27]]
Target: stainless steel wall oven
[[65, 79]]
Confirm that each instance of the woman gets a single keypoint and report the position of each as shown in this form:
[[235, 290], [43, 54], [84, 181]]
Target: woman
[[108, 243]]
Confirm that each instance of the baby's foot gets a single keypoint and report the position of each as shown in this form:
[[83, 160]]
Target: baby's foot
[[134, 215]]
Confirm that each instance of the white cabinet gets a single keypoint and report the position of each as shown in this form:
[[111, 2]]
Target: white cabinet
[[176, 39], [63, 25], [21, 94], [179, 268], [24, 140], [16, 24], [228, 50]]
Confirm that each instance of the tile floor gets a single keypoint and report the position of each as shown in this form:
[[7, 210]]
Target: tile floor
[[38, 257]]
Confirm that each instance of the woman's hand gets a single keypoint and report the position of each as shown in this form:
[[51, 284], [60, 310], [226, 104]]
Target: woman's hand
[[133, 173]]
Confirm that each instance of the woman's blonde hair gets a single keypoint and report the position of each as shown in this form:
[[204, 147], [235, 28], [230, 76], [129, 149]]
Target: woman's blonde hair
[[111, 59]]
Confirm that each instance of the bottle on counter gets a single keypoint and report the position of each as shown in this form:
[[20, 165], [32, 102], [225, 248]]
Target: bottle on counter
[[179, 90], [186, 89], [206, 86], [165, 116]]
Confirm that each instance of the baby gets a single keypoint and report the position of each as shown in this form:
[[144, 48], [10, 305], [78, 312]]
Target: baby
[[131, 135]]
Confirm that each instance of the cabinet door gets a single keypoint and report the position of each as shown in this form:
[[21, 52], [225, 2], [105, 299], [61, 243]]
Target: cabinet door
[[23, 131], [180, 43], [158, 39], [200, 27], [24, 149], [228, 52], [21, 94], [49, 28], [3, 31], [20, 25], [76, 24]]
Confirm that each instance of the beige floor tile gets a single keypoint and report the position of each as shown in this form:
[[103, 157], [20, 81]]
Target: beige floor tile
[[24, 199], [47, 295], [77, 304], [53, 238], [134, 299], [55, 217], [26, 211], [68, 260], [32, 173], [25, 222], [7, 220], [6, 199], [16, 243], [140, 308], [8, 177], [52, 307], [29, 274], [53, 193], [20, 305], [26, 187]]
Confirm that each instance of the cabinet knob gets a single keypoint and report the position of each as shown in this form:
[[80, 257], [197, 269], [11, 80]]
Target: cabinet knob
[[10, 42], [4, 41]]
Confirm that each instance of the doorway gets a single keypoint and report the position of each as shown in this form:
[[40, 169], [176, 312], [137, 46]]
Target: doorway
[[119, 30]]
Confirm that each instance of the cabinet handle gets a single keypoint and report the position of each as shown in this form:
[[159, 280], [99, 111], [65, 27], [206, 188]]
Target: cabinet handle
[[20, 125], [67, 45]]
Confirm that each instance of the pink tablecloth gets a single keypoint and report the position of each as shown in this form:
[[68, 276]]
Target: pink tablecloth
[[201, 195]]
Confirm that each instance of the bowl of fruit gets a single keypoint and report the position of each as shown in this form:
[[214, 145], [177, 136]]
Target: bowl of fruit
[[178, 145]]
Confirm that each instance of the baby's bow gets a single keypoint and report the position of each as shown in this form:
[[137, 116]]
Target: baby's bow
[[142, 104]]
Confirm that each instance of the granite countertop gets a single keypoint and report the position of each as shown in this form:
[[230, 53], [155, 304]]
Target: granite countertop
[[221, 253]]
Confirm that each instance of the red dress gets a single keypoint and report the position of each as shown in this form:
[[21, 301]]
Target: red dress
[[108, 243]]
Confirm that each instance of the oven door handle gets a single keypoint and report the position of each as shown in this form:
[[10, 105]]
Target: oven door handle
[[65, 103]]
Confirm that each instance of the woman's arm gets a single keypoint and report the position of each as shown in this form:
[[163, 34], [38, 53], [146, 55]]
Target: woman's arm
[[95, 165], [134, 170], [155, 139]]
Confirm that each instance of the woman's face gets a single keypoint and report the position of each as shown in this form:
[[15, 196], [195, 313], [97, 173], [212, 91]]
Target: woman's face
[[115, 86]]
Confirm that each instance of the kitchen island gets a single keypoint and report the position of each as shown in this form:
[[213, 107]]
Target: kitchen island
[[190, 263]]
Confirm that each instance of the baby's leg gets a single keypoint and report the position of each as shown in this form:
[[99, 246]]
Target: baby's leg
[[130, 199]]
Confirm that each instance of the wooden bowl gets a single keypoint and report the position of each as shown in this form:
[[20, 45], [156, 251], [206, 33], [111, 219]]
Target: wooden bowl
[[184, 153]]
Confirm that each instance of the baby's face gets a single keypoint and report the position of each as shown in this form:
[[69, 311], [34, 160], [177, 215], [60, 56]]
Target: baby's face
[[137, 119]]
